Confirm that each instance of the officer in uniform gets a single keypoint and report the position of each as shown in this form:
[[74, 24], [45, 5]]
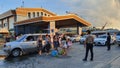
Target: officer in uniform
[[89, 45]]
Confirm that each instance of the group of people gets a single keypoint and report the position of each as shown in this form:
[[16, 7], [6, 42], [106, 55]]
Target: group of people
[[89, 45], [53, 42], [61, 41]]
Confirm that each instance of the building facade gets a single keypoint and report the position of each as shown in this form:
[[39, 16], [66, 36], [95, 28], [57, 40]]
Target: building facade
[[8, 18], [35, 20]]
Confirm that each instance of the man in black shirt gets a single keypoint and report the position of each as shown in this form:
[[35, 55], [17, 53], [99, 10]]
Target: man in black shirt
[[108, 41]]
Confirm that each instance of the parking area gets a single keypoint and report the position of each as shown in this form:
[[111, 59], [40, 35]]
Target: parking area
[[102, 59]]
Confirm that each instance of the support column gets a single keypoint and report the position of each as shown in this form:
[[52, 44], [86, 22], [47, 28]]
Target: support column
[[2, 23], [8, 24], [16, 30], [52, 27], [79, 29]]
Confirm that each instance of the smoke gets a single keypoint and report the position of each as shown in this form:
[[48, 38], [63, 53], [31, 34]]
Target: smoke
[[98, 12]]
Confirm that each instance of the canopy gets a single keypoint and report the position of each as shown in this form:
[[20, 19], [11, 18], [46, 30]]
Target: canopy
[[4, 31]]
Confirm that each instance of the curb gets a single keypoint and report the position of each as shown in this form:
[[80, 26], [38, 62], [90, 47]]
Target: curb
[[2, 54]]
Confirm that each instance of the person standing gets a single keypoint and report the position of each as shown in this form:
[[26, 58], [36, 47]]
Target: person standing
[[89, 45], [114, 38], [7, 38], [48, 44], [39, 42], [108, 41], [56, 43]]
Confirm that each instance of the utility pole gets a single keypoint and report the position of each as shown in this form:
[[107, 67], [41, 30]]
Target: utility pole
[[22, 4]]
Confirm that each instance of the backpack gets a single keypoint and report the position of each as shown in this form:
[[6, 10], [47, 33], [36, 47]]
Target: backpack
[[54, 53]]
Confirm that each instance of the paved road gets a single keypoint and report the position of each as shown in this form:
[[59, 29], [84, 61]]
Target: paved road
[[102, 59]]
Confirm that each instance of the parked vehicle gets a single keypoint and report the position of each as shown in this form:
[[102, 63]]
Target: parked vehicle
[[75, 38], [101, 40], [118, 38], [82, 39], [25, 44]]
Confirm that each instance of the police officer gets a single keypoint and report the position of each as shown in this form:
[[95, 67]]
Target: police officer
[[89, 45]]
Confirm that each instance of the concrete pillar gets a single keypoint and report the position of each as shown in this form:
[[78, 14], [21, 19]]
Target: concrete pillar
[[2, 23], [52, 27], [16, 30], [79, 29], [8, 25]]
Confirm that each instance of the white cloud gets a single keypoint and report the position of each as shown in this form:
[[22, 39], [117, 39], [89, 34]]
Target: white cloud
[[98, 12]]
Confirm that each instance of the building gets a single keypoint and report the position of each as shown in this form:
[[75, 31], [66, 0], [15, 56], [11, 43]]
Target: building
[[35, 20], [8, 18]]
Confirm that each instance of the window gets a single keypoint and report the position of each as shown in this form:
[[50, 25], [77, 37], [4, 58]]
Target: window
[[5, 24], [33, 14], [38, 14], [29, 15], [45, 14], [30, 38], [41, 13]]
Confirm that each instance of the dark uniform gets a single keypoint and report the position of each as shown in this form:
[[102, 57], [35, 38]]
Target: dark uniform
[[108, 42]]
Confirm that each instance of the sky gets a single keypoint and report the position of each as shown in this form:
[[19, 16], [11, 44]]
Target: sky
[[56, 6], [97, 12]]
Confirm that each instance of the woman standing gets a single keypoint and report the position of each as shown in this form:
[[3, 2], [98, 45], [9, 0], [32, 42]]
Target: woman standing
[[56, 43], [39, 42]]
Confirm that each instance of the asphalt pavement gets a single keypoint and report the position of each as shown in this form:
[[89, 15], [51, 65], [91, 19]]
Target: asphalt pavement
[[102, 59]]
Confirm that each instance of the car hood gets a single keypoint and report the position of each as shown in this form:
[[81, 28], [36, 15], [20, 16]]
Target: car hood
[[118, 36], [12, 43], [100, 39]]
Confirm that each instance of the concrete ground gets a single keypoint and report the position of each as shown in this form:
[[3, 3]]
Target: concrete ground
[[102, 59]]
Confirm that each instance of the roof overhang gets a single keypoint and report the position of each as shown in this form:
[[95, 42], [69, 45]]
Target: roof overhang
[[66, 19], [4, 31]]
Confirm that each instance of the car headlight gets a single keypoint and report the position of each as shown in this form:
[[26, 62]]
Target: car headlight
[[8, 46]]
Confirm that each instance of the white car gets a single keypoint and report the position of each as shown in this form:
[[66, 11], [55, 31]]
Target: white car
[[82, 39], [118, 39], [75, 38], [25, 44], [101, 40]]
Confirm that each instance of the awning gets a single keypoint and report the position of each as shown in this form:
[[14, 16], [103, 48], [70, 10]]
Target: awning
[[70, 18], [4, 31]]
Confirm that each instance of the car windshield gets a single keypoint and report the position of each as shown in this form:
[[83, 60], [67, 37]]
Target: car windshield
[[102, 36], [21, 38], [118, 34]]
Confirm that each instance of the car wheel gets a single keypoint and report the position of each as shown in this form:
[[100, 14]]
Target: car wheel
[[16, 52], [74, 40], [119, 44]]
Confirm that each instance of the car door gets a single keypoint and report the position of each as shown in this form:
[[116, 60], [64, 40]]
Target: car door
[[29, 44]]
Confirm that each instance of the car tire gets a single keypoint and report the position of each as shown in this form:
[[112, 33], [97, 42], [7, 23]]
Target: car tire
[[74, 40], [16, 52], [119, 44]]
